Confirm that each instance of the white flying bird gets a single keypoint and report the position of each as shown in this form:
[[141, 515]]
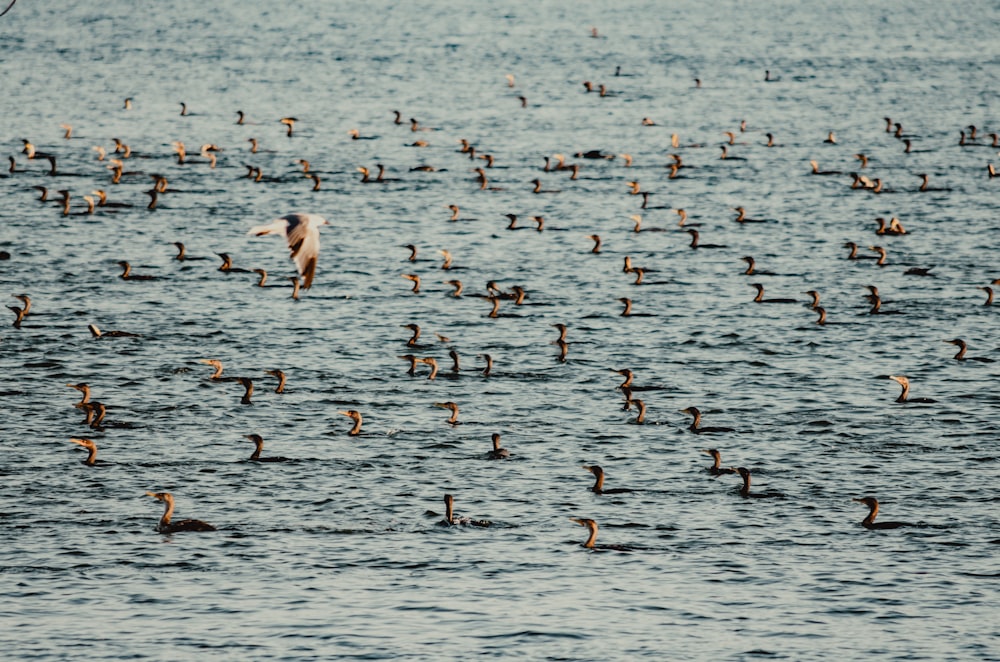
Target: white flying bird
[[302, 233]]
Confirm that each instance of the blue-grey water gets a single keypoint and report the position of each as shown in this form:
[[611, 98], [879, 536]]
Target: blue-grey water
[[335, 553]]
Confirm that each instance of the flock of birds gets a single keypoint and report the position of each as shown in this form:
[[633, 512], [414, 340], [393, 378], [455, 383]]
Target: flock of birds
[[301, 232]]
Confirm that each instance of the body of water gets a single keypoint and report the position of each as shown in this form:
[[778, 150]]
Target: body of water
[[338, 553]]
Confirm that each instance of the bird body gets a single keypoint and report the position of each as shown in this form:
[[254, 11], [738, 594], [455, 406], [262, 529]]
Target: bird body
[[166, 526], [598, 487], [259, 447], [696, 427], [592, 528], [869, 521], [302, 233], [451, 519], [497, 453], [745, 490]]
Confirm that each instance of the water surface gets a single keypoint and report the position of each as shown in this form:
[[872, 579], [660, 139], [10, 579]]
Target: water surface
[[335, 553]]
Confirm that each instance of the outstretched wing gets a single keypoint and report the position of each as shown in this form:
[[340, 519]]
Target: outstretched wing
[[279, 226]]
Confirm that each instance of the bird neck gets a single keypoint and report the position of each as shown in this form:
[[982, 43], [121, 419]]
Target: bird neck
[[598, 483], [696, 423], [168, 512], [869, 521]]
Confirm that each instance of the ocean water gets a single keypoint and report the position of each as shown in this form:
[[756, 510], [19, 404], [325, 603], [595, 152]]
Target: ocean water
[[338, 553]]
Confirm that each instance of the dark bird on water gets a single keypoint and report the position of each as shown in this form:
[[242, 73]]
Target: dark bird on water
[[166, 526], [84, 390], [97, 333], [695, 239], [695, 426], [415, 328], [127, 274], [869, 521], [355, 416], [717, 469], [904, 395], [451, 519], [90, 446], [453, 419], [751, 269], [958, 342], [281, 377], [215, 363], [741, 216], [745, 489], [592, 528], [259, 442], [853, 254], [598, 487], [641, 406], [248, 390], [497, 453], [759, 298], [227, 265], [182, 253]]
